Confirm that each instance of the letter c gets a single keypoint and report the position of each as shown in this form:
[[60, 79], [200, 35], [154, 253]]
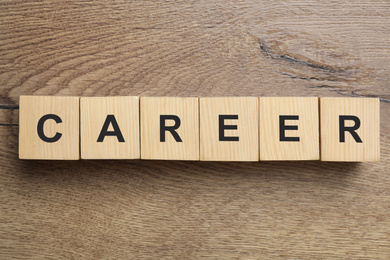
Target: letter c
[[42, 121]]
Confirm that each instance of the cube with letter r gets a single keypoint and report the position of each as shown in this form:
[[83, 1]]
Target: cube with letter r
[[169, 128], [350, 129]]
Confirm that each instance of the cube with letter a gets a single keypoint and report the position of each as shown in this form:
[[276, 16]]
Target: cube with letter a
[[49, 128], [169, 128], [350, 129], [109, 128], [289, 128], [229, 129]]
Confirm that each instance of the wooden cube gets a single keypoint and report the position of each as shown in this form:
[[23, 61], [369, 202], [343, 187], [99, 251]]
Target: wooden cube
[[49, 128], [350, 129], [109, 128], [229, 129], [170, 128], [289, 128]]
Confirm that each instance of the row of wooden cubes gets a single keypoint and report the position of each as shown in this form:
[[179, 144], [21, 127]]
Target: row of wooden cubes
[[190, 128]]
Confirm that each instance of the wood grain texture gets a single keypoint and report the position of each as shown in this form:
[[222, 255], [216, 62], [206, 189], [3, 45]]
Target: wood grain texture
[[175, 210], [307, 123]]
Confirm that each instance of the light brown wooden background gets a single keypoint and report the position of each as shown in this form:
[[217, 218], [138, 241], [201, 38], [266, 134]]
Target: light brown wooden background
[[180, 210]]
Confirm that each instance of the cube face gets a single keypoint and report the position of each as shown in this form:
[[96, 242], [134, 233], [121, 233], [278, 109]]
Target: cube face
[[289, 128], [109, 128], [49, 128], [229, 129], [169, 128], [350, 129]]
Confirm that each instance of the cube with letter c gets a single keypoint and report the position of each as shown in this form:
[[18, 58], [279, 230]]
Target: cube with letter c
[[49, 128]]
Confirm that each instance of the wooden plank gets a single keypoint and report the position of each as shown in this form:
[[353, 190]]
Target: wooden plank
[[289, 112], [109, 128], [49, 128], [159, 209]]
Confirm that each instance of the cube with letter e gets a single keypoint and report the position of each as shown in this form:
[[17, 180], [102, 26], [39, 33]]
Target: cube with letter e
[[289, 128], [229, 129]]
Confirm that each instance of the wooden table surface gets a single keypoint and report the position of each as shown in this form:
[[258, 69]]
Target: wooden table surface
[[191, 210]]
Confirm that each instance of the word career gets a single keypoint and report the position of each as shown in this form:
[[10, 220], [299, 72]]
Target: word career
[[206, 129]]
